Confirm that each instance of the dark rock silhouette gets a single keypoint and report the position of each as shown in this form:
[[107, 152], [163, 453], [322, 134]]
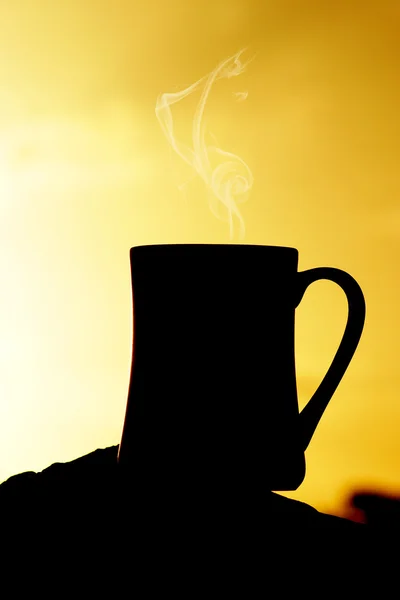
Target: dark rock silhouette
[[378, 510], [82, 521], [91, 490]]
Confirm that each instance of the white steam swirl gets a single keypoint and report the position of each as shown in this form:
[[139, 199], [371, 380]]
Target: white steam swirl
[[230, 181]]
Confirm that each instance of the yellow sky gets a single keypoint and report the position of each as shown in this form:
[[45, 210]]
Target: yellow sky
[[86, 173]]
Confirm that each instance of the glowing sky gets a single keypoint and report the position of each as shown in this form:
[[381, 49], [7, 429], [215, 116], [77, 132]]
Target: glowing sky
[[86, 173]]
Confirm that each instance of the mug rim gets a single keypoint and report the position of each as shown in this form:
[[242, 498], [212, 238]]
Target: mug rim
[[216, 245]]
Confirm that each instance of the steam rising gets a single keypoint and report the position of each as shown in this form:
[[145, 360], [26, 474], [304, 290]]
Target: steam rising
[[240, 96], [231, 180]]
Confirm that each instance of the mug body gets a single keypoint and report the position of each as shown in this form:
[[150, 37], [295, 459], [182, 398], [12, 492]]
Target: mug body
[[212, 399]]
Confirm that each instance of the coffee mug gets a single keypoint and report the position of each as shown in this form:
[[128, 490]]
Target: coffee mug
[[212, 400]]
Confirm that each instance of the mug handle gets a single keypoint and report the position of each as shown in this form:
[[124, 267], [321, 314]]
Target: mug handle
[[313, 411]]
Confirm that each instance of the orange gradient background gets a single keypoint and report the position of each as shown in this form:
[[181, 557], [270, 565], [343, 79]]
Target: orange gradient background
[[86, 173]]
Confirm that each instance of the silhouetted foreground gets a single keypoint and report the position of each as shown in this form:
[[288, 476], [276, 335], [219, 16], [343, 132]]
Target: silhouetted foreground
[[379, 510], [90, 490], [81, 521]]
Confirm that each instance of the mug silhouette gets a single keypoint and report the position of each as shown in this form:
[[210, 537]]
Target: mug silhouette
[[212, 402]]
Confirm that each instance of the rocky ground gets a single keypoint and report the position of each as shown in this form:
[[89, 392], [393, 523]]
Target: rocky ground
[[92, 483], [82, 521]]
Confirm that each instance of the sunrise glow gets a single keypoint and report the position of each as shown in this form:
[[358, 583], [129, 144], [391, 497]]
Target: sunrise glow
[[86, 173]]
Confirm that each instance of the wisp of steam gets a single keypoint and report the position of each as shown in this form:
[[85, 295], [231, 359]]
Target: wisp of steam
[[230, 182]]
